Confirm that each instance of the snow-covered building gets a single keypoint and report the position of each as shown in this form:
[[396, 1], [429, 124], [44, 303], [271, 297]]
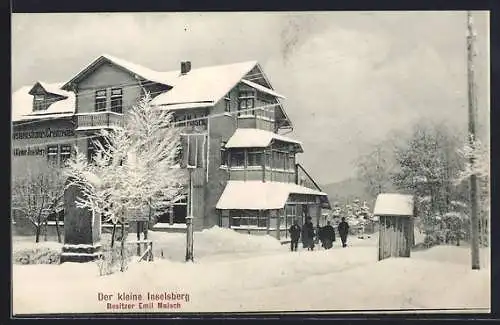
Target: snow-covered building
[[246, 175]]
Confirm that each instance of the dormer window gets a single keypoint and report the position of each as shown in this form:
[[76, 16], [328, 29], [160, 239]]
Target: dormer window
[[38, 103]]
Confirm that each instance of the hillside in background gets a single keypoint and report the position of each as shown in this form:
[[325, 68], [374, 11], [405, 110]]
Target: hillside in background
[[346, 191]]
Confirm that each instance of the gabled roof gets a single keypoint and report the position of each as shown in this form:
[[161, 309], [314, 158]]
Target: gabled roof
[[393, 204], [262, 88], [260, 195], [50, 88], [22, 104], [165, 78], [206, 84], [248, 138]]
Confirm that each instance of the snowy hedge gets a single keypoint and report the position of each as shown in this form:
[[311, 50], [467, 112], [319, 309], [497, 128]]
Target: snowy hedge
[[37, 255]]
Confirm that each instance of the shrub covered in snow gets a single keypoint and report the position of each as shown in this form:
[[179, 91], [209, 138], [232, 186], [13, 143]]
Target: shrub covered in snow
[[111, 260], [37, 255]]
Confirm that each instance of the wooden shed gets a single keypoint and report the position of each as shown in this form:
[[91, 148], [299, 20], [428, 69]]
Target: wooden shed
[[395, 213]]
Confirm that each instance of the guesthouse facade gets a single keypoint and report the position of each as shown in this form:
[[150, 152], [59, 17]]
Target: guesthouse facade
[[245, 174]]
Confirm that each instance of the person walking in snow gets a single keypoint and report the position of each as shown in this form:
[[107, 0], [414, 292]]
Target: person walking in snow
[[308, 235], [327, 235], [343, 231], [294, 235]]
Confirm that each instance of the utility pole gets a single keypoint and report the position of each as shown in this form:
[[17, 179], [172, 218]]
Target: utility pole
[[472, 140]]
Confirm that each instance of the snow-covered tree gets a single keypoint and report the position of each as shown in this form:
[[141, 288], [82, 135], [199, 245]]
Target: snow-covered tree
[[37, 194], [134, 170], [480, 166], [375, 167]]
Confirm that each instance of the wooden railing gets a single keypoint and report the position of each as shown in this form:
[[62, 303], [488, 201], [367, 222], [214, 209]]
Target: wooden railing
[[96, 120]]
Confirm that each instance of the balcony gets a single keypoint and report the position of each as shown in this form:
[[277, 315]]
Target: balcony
[[99, 120]]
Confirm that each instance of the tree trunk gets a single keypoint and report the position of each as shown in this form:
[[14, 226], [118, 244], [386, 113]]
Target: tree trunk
[[113, 232], [122, 249], [37, 233], [58, 231], [46, 228]]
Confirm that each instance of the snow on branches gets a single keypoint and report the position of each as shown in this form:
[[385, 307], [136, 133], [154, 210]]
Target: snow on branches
[[477, 160], [37, 194], [133, 168]]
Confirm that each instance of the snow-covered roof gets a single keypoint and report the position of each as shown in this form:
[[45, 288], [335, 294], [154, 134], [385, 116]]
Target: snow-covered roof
[[262, 88], [55, 88], [166, 78], [247, 137], [185, 106], [22, 104], [393, 204], [206, 84], [258, 195]]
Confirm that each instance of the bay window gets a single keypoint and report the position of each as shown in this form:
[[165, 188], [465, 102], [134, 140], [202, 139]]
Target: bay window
[[255, 158], [246, 101], [238, 158]]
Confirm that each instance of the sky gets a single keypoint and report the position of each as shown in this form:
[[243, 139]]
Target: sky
[[350, 78]]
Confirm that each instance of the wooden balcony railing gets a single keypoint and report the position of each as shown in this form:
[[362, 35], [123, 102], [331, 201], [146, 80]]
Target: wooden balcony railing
[[99, 120]]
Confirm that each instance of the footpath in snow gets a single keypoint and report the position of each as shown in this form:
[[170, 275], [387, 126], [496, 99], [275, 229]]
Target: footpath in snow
[[237, 272]]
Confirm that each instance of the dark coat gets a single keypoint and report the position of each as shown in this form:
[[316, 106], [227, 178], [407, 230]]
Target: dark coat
[[343, 228], [328, 233], [294, 232], [308, 234]]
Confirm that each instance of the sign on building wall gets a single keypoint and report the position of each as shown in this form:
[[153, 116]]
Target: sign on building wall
[[47, 133], [30, 151]]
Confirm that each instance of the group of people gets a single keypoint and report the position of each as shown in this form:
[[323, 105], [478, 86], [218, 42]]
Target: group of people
[[326, 234]]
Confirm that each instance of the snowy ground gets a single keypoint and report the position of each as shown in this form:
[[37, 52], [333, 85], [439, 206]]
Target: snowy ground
[[237, 272]]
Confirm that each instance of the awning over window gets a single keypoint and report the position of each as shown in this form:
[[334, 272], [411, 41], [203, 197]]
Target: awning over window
[[248, 137], [257, 195]]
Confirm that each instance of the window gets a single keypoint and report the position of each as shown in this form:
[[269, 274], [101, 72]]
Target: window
[[227, 100], [223, 154], [38, 103], [290, 215], [52, 154], [90, 150], [247, 218], [255, 158], [268, 159], [246, 100], [65, 153], [116, 100], [291, 161], [100, 100], [237, 158]]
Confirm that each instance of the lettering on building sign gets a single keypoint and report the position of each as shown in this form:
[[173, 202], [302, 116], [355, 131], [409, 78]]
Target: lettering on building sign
[[47, 133], [29, 152]]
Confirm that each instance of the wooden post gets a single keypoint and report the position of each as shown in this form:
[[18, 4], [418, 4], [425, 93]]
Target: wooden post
[[268, 219], [189, 220], [138, 231], [171, 214], [278, 222], [145, 231]]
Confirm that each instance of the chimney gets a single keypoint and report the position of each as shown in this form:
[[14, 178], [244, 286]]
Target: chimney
[[185, 67]]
